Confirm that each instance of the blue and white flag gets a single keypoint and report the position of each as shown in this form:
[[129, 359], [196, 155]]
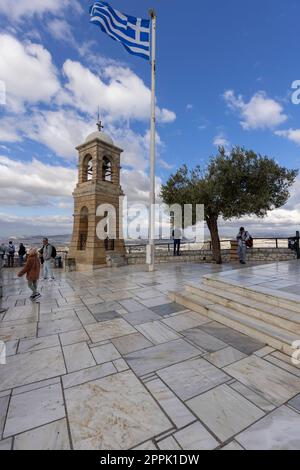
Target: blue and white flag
[[133, 33]]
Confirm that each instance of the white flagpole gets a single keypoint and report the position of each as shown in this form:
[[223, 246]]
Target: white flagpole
[[151, 236]]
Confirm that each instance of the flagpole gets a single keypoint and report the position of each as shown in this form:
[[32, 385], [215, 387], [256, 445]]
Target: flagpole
[[151, 236]]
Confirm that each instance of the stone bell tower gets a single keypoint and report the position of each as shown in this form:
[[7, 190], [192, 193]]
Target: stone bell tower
[[98, 184]]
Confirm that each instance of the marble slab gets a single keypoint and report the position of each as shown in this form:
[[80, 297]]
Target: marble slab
[[233, 338], [130, 343], [78, 356], [224, 357], [224, 411], [134, 415], [35, 344], [168, 443], [168, 309], [6, 444], [143, 315], [254, 397], [61, 325], [34, 366], [3, 410], [273, 383], [131, 305], [85, 316], [109, 329], [32, 409], [35, 385], [295, 402], [156, 301], [195, 437], [105, 353], [120, 365], [232, 446], [173, 407], [148, 445], [189, 378], [154, 358], [71, 337], [53, 436], [185, 321], [105, 316], [157, 332], [87, 375], [279, 430], [206, 342], [10, 333]]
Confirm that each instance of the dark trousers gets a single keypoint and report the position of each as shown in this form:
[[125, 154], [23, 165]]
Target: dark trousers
[[10, 260], [176, 247]]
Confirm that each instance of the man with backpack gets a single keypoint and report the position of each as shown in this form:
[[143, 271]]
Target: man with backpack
[[48, 252], [244, 240], [11, 254]]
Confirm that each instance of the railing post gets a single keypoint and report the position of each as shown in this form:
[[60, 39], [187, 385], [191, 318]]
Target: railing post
[[297, 244], [276, 242]]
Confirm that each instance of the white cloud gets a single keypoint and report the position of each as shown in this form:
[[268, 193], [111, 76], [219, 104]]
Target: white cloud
[[118, 92], [34, 183], [28, 73], [221, 140], [189, 107], [61, 30], [61, 131], [260, 112], [291, 134], [19, 9]]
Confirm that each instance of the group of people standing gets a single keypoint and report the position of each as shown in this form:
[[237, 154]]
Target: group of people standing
[[9, 251], [34, 259]]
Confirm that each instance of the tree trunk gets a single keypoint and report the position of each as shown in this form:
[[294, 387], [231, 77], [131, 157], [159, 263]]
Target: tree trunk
[[212, 223]]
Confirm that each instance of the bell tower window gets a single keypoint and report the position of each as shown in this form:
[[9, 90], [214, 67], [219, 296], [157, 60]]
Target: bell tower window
[[106, 170]]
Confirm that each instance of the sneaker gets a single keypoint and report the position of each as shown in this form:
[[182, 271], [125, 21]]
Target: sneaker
[[36, 296]]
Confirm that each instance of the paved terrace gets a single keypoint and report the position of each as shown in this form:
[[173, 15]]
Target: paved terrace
[[106, 361]]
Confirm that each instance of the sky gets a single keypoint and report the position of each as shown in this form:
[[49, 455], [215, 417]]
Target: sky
[[224, 77]]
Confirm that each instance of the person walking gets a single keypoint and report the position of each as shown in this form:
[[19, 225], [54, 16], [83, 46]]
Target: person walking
[[47, 255], [32, 270], [21, 253], [244, 239], [11, 254], [177, 235]]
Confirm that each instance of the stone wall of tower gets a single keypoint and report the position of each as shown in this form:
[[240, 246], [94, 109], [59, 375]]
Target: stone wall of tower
[[91, 194]]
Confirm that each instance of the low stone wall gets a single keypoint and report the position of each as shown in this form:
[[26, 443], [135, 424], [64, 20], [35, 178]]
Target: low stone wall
[[271, 254], [205, 256]]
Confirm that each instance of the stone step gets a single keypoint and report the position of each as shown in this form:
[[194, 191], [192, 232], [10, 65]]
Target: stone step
[[273, 336], [282, 299], [277, 316]]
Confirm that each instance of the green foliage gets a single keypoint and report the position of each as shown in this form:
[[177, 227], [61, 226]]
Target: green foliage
[[232, 186]]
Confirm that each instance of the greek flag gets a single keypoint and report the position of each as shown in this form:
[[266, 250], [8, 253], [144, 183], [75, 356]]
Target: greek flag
[[133, 33]]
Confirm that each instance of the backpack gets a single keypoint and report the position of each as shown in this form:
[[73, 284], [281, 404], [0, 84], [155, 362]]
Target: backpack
[[53, 254], [249, 242], [11, 249]]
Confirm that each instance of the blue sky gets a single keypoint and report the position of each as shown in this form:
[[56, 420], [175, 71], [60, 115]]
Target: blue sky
[[224, 76]]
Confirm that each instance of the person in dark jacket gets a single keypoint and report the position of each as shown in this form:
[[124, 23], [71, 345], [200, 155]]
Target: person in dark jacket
[[11, 254], [21, 253]]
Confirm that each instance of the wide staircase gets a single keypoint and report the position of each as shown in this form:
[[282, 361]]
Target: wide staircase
[[269, 318]]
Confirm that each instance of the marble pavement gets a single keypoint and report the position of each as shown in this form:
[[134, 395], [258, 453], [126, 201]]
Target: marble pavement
[[107, 361]]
